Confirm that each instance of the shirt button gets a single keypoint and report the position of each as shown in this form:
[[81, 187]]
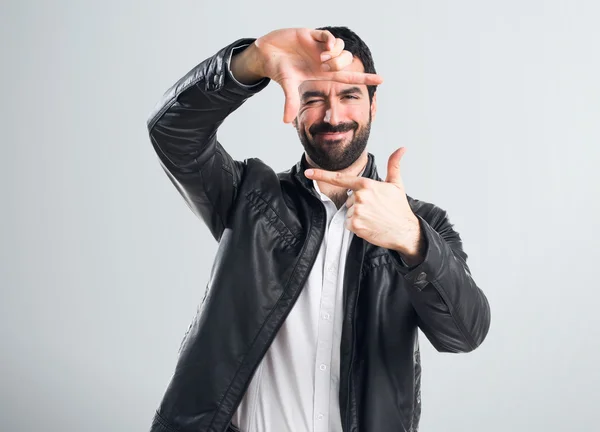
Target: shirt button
[[331, 268], [326, 316], [320, 416], [323, 367], [422, 276]]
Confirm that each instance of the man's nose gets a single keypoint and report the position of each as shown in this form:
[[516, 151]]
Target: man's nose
[[333, 114]]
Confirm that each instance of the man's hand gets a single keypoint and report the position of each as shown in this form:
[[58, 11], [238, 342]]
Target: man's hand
[[379, 211], [292, 56]]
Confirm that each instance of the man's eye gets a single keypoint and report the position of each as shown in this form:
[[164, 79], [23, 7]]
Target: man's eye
[[350, 97]]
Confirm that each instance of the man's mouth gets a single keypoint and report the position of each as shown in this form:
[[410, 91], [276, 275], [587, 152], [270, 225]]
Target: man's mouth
[[332, 135]]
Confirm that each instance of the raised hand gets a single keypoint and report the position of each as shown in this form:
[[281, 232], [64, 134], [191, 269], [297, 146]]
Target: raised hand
[[379, 212], [292, 56]]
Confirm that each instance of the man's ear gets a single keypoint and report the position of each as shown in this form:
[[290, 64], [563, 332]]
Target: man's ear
[[374, 107], [295, 123]]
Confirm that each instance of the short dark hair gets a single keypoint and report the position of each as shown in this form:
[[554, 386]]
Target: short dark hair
[[358, 48]]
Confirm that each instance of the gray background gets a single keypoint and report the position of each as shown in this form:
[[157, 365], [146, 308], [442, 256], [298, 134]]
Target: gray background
[[103, 264]]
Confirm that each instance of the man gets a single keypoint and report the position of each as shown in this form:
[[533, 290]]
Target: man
[[323, 275]]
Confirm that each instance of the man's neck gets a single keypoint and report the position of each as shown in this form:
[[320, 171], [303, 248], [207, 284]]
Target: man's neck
[[339, 194]]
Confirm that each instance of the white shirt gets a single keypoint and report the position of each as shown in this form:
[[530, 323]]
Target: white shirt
[[295, 388]]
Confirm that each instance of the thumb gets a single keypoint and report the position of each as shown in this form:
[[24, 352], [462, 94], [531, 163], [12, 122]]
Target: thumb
[[292, 100], [393, 172]]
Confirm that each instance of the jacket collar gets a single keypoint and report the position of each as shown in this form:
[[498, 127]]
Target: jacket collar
[[298, 171]]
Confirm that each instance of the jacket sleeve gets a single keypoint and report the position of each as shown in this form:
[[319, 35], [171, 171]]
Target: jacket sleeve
[[183, 132], [453, 312]]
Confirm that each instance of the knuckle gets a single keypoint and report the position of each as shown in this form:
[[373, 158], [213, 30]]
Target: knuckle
[[345, 58], [340, 57], [338, 63]]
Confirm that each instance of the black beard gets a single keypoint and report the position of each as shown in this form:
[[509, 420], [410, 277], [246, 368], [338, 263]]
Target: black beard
[[331, 156]]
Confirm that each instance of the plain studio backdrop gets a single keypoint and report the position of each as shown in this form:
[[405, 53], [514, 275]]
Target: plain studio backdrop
[[103, 264]]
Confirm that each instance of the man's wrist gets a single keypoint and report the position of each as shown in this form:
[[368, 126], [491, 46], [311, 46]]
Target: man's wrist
[[246, 66], [412, 248]]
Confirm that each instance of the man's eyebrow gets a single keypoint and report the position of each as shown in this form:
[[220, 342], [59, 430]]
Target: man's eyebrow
[[349, 91], [312, 93], [316, 93]]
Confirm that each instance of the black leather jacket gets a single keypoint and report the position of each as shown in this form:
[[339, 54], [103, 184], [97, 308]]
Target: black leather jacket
[[269, 227]]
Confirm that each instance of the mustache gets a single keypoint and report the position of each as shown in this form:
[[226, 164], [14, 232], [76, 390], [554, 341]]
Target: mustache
[[328, 128]]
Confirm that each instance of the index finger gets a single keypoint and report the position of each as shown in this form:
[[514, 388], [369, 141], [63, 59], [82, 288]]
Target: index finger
[[336, 178], [349, 77]]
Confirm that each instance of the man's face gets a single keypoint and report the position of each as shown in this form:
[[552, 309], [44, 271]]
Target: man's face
[[334, 121]]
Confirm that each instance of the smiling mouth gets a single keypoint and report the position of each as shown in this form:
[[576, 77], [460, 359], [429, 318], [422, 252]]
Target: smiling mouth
[[332, 135]]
